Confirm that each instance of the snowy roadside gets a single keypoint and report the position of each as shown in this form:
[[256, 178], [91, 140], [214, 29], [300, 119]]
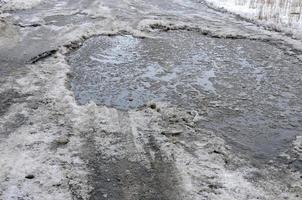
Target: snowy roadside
[[18, 4], [282, 16]]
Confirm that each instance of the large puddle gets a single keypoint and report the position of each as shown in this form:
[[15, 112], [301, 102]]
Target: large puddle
[[248, 91]]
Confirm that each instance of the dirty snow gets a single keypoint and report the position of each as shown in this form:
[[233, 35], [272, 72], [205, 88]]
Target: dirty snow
[[283, 15], [18, 4]]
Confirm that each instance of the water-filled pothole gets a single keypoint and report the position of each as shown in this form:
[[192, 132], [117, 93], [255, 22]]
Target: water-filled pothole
[[248, 91], [126, 72]]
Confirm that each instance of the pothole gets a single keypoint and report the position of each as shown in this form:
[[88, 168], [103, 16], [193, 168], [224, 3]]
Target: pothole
[[248, 91], [126, 72]]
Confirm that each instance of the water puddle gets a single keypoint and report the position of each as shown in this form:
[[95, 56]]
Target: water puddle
[[248, 91], [126, 72]]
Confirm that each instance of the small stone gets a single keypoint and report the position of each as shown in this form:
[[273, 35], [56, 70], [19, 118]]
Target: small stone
[[130, 99], [153, 106], [62, 141], [171, 132], [29, 176], [185, 119]]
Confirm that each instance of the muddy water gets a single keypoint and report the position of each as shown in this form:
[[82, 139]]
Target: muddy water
[[248, 91]]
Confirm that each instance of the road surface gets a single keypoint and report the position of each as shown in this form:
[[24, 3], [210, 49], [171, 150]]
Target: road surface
[[156, 100]]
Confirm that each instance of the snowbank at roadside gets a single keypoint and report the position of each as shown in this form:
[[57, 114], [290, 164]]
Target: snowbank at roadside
[[284, 15], [18, 4]]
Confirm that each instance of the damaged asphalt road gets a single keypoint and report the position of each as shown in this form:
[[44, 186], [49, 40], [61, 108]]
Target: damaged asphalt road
[[135, 100]]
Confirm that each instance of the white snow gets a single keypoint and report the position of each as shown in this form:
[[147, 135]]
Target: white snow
[[279, 14], [19, 4]]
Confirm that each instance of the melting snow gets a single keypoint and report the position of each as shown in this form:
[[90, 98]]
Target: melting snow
[[280, 14]]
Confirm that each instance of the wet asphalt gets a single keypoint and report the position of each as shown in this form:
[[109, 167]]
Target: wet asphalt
[[247, 91]]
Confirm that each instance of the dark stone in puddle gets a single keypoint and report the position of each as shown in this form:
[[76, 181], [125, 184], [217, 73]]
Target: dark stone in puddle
[[153, 106], [30, 176], [171, 132]]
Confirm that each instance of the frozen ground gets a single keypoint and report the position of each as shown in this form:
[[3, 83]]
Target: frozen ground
[[146, 100]]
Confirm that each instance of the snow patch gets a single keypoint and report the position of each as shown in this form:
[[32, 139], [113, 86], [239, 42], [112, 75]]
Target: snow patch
[[285, 15], [19, 4]]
